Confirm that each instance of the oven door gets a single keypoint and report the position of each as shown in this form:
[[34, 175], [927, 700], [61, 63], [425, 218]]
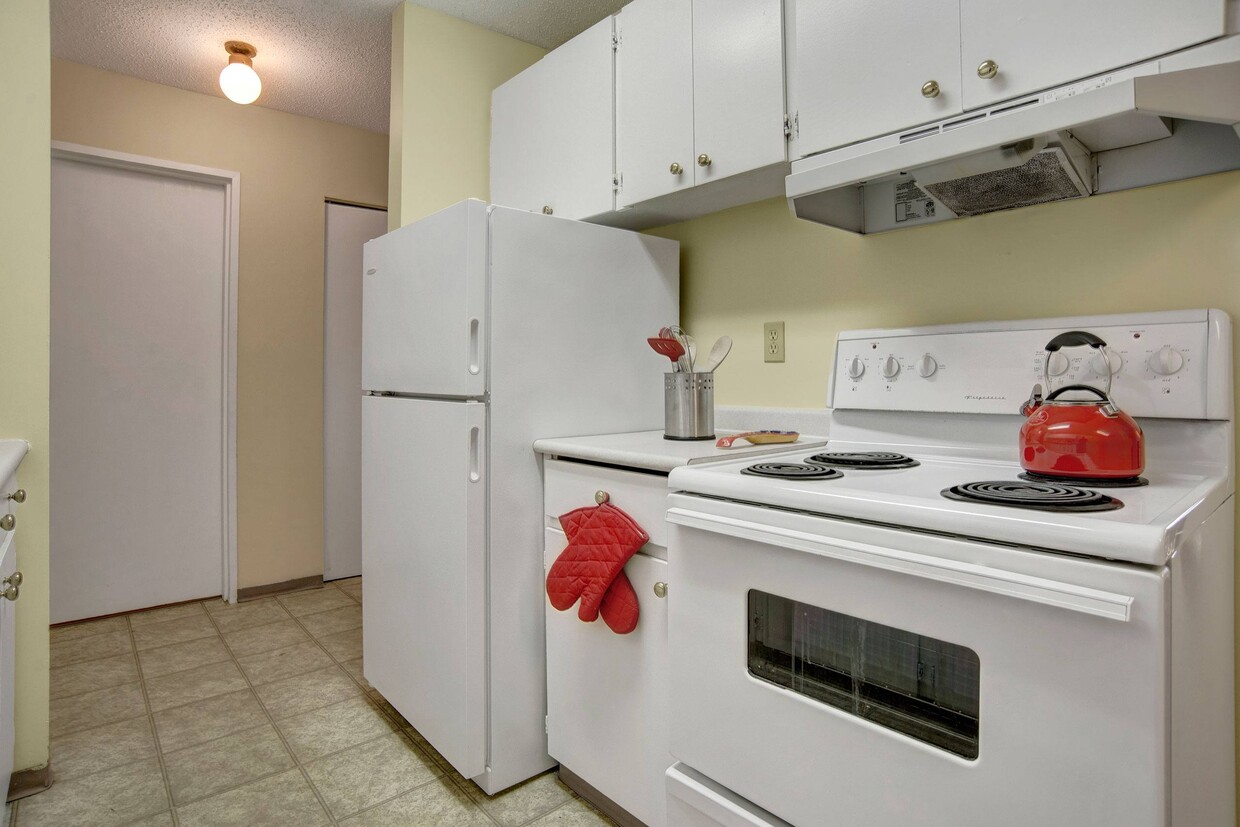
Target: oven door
[[842, 673]]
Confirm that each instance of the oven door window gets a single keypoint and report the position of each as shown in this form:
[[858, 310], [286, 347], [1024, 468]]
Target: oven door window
[[916, 685]]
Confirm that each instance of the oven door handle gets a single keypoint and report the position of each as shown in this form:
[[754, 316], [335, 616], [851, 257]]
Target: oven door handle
[[970, 575]]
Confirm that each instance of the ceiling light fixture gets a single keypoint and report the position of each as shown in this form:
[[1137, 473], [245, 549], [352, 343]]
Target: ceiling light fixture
[[239, 80]]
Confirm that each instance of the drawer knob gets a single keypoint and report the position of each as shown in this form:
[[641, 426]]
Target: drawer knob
[[704, 160], [601, 497], [987, 69], [675, 168], [8, 522], [930, 89], [660, 589], [10, 590], [548, 211], [18, 496]]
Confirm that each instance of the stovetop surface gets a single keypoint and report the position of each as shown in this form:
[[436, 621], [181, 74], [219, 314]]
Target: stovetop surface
[[1144, 530]]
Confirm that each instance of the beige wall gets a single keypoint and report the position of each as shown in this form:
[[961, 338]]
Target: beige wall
[[25, 243], [289, 165], [443, 71], [1159, 248]]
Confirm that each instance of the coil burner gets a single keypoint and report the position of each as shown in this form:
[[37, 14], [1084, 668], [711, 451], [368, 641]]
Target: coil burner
[[864, 460], [1036, 495], [1092, 482], [792, 471]]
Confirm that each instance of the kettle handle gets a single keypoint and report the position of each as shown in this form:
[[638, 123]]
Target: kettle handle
[[1074, 338], [1055, 393]]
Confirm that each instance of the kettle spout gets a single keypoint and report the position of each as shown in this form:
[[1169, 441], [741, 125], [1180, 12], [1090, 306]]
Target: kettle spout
[[1033, 402]]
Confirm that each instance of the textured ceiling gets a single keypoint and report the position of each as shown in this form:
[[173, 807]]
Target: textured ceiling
[[326, 59]]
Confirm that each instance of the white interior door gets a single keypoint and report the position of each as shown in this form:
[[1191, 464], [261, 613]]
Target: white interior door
[[347, 229], [140, 385]]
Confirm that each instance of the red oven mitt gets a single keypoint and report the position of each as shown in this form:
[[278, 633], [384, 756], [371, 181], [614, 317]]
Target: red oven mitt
[[601, 539]]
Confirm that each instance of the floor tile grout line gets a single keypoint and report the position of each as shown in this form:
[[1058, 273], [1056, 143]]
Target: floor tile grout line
[[159, 752], [331, 818]]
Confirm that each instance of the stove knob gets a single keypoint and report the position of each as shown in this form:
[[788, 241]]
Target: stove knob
[[927, 366], [891, 367], [1166, 361], [855, 368], [1112, 364], [1059, 364]]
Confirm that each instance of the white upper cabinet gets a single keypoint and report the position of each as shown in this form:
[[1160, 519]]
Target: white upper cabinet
[[738, 87], [864, 69], [552, 129], [699, 93], [654, 99], [1037, 45]]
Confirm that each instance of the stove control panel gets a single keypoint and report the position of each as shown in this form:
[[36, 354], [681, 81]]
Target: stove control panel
[[1171, 365]]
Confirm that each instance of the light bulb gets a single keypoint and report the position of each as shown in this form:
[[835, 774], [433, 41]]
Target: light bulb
[[240, 83]]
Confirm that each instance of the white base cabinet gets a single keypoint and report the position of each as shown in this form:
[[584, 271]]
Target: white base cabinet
[[607, 694], [11, 587]]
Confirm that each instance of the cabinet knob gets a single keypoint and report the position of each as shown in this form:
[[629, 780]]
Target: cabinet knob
[[930, 89], [704, 160], [548, 211], [18, 496], [987, 69], [601, 497], [675, 168], [15, 578], [8, 522], [660, 589]]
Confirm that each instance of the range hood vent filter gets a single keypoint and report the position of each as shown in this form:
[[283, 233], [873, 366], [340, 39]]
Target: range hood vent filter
[[1047, 176]]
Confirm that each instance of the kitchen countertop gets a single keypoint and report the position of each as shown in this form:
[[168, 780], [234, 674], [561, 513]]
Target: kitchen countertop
[[649, 450], [12, 451]]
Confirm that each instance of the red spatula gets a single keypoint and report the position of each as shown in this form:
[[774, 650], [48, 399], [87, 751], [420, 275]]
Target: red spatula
[[670, 348]]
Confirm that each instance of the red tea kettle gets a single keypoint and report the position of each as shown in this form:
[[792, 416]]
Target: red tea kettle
[[1079, 438]]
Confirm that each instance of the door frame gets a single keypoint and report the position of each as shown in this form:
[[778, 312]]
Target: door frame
[[231, 182]]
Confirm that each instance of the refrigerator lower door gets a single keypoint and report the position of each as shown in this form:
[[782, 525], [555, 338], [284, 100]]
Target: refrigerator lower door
[[424, 501]]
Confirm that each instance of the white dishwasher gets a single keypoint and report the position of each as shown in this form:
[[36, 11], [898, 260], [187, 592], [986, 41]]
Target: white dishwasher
[[608, 694]]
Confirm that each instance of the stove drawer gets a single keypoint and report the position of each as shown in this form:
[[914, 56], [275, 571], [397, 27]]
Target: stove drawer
[[571, 485], [891, 678]]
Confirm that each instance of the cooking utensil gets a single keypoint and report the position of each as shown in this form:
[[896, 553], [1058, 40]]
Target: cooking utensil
[[678, 333], [1079, 438], [759, 438], [670, 348], [718, 352]]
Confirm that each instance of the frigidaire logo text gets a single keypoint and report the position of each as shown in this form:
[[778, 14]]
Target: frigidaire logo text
[[985, 398]]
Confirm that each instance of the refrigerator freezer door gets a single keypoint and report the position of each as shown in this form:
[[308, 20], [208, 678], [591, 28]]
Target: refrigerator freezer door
[[424, 559], [424, 306]]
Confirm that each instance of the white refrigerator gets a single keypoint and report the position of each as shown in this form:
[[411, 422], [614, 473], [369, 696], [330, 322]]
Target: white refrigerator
[[483, 329]]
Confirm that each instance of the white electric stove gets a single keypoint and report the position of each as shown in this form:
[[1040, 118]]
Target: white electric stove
[[859, 645]]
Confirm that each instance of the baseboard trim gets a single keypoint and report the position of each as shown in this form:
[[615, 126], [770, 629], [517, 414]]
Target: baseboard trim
[[298, 585], [25, 783], [599, 801]]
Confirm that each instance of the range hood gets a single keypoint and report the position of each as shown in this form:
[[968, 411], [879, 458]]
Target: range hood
[[1168, 119]]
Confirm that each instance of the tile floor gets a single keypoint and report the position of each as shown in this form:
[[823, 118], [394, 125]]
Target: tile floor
[[251, 714]]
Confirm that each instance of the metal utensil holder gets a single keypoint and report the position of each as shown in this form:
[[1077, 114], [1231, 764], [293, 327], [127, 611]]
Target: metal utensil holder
[[688, 406]]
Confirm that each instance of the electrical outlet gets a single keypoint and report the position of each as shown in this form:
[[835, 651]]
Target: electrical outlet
[[773, 342]]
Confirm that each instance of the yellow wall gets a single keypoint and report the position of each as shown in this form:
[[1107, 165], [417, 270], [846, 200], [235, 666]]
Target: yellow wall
[[289, 165], [443, 71], [25, 243], [1160, 248]]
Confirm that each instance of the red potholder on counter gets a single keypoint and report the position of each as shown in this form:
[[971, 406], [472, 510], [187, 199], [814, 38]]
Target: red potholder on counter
[[601, 539]]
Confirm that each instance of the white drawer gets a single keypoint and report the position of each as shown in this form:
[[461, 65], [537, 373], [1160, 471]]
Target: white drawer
[[643, 497]]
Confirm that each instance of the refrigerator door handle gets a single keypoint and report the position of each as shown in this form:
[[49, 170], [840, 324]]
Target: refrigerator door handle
[[475, 469], [475, 363]]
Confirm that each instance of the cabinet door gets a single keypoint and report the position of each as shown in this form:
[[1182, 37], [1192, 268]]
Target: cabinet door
[[1039, 45], [607, 695], [738, 86], [551, 130], [654, 99], [8, 565], [859, 68]]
